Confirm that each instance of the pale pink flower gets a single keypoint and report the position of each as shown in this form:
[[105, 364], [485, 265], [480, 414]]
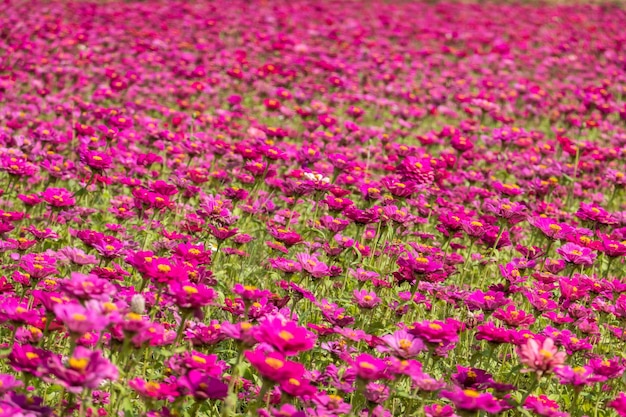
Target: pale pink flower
[[540, 358]]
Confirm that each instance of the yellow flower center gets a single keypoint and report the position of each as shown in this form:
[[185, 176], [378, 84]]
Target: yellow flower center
[[198, 359], [190, 290], [274, 363], [546, 354], [405, 344], [79, 317], [78, 364], [471, 393], [285, 335]]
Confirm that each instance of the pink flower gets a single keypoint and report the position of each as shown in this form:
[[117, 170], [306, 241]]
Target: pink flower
[[474, 401], [368, 367], [544, 406], [578, 255], [78, 319], [313, 266], [191, 296], [96, 160], [541, 358], [84, 369], [366, 299], [402, 344], [286, 337], [619, 404], [58, 197], [274, 366]]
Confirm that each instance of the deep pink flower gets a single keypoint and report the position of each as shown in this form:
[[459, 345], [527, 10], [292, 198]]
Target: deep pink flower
[[619, 404], [274, 366], [187, 295], [472, 400], [544, 406], [58, 197], [368, 367], [203, 386], [98, 161], [286, 337], [577, 377], [578, 255], [551, 228]]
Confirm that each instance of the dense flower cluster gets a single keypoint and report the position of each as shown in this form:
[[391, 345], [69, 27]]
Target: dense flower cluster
[[312, 208]]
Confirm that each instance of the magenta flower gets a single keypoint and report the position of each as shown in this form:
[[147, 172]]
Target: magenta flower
[[419, 264], [438, 410], [368, 367], [487, 302], [76, 256], [38, 265], [619, 404], [189, 296], [87, 287], [313, 266], [286, 337], [95, 160], [298, 387], [154, 390], [58, 197], [29, 359], [84, 369], [544, 406], [577, 377], [250, 292], [551, 228], [513, 317], [435, 332], [472, 400], [9, 383], [577, 255], [203, 386], [274, 366]]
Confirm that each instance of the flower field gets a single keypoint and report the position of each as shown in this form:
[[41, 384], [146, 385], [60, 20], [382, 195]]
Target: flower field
[[312, 208]]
